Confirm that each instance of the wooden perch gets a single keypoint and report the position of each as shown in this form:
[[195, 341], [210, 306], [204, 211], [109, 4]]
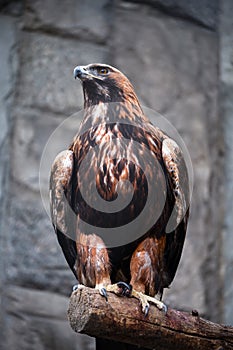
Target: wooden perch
[[121, 319]]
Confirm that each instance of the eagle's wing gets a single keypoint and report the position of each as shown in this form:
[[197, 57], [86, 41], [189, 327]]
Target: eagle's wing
[[176, 228], [62, 215]]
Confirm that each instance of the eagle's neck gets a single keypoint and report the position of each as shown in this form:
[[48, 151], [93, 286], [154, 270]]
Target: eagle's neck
[[110, 104], [113, 112]]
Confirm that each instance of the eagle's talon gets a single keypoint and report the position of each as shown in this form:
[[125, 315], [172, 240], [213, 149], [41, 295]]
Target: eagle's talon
[[164, 309], [146, 309], [75, 287], [104, 293], [126, 288], [145, 299]]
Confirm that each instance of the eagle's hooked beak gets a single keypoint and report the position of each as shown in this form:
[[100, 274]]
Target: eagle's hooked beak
[[80, 72]]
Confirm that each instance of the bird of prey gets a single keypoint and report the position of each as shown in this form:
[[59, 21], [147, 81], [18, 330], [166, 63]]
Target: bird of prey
[[119, 145]]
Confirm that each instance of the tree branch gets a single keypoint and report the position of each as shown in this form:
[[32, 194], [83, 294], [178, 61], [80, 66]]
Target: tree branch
[[121, 319]]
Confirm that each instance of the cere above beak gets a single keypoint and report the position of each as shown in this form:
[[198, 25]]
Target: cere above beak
[[80, 72]]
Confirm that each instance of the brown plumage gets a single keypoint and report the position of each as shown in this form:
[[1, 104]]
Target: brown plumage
[[105, 143]]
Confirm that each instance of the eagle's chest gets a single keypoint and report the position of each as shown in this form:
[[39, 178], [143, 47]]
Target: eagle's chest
[[119, 185]]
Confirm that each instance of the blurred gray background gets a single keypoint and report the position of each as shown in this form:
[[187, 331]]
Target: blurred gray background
[[179, 56]]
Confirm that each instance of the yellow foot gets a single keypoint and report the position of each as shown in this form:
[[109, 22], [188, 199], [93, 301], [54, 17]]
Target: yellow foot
[[124, 289], [120, 288], [145, 299], [102, 290], [100, 287]]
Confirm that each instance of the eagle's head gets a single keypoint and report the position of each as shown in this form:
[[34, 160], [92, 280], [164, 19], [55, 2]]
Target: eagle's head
[[104, 83]]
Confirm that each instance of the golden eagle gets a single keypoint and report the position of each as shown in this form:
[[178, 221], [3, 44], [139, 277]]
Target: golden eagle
[[125, 158]]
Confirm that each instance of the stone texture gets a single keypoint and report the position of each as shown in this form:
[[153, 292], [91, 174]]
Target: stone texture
[[203, 12], [37, 320], [40, 262], [37, 132], [226, 108], [7, 41], [167, 62], [46, 71], [7, 44], [87, 20], [12, 7]]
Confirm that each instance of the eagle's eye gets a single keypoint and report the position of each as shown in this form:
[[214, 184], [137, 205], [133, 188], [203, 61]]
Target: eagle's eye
[[102, 70]]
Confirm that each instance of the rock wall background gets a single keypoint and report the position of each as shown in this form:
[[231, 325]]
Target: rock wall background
[[179, 57]]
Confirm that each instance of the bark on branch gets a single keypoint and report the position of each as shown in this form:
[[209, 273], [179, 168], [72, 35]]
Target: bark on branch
[[121, 319]]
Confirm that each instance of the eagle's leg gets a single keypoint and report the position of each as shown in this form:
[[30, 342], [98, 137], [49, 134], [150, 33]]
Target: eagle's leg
[[146, 271], [102, 271], [93, 266]]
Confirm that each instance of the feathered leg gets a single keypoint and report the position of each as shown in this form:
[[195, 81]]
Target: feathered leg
[[93, 266], [146, 268]]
